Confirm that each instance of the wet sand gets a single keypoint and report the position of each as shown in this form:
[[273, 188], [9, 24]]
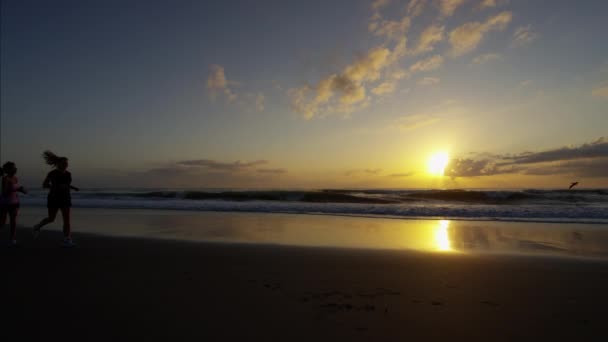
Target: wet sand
[[111, 288]]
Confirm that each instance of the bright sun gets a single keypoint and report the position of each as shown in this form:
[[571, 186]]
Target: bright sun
[[437, 163]]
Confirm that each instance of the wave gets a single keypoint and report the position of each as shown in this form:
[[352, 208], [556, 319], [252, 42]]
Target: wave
[[530, 196], [530, 204]]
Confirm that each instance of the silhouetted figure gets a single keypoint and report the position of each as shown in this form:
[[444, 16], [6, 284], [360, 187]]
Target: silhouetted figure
[[59, 181], [9, 199], [573, 185]]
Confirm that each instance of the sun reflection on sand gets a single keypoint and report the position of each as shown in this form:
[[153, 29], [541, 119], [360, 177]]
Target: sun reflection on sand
[[442, 238]]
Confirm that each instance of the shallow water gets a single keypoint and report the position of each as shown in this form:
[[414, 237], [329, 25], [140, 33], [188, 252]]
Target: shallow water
[[440, 236]]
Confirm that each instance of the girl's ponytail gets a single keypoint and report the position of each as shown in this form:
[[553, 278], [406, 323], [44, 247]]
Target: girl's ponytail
[[51, 158]]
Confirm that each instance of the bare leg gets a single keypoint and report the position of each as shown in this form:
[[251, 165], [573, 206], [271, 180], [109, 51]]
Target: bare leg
[[13, 212], [67, 229], [47, 220]]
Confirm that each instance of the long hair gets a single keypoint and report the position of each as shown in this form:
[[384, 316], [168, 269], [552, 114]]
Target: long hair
[[52, 159]]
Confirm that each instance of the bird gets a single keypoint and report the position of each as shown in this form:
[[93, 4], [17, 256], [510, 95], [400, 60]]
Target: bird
[[573, 185]]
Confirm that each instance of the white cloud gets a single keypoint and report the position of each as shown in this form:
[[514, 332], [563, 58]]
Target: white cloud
[[466, 37], [487, 3], [346, 91], [218, 84], [428, 38], [390, 28], [448, 7], [378, 4], [384, 88], [399, 74], [524, 35], [415, 7], [428, 81], [600, 92], [428, 64], [488, 57], [347, 88]]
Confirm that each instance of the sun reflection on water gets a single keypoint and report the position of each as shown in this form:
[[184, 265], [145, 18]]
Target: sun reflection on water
[[442, 238]]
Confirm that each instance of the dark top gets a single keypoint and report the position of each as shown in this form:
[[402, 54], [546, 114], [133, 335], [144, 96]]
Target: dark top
[[60, 183]]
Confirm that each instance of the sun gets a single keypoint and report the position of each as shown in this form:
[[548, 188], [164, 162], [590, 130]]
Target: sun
[[437, 163]]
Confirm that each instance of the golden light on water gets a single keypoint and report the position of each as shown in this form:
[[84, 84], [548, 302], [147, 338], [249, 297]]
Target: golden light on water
[[437, 163], [442, 238]]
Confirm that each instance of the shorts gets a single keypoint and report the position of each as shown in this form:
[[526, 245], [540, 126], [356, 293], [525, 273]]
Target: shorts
[[58, 202]]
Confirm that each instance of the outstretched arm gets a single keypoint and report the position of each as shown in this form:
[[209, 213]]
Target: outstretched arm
[[74, 188]]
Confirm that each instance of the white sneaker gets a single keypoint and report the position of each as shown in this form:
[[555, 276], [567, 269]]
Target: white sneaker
[[67, 242]]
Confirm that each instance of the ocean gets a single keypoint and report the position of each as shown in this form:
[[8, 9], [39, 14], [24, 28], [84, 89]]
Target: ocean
[[528, 205]]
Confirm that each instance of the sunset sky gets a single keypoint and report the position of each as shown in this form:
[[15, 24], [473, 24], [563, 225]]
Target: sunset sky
[[315, 93]]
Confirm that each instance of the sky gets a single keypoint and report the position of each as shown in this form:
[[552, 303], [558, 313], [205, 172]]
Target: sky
[[307, 94]]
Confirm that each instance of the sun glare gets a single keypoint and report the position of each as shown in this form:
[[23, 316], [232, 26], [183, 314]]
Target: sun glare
[[442, 237], [437, 163]]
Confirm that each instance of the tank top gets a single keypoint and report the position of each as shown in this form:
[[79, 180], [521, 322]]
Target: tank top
[[9, 190]]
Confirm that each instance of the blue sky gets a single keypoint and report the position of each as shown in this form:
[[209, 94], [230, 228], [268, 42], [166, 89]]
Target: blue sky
[[319, 92]]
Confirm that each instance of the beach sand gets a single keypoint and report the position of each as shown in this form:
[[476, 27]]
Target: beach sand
[[129, 288]]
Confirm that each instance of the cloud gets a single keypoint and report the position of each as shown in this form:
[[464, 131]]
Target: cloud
[[586, 160], [372, 171], [487, 3], [272, 171], [600, 92], [428, 38], [218, 84], [401, 175], [341, 92], [468, 167], [490, 4], [412, 122], [399, 74], [365, 171], [259, 102], [524, 35], [415, 7], [385, 88], [222, 166], [378, 4], [428, 81], [448, 7], [595, 149], [592, 168], [466, 37], [429, 64], [390, 28], [488, 57]]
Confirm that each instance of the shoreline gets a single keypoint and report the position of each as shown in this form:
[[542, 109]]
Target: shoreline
[[591, 221], [440, 236]]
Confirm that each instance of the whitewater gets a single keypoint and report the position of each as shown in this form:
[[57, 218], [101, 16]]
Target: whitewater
[[582, 206]]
